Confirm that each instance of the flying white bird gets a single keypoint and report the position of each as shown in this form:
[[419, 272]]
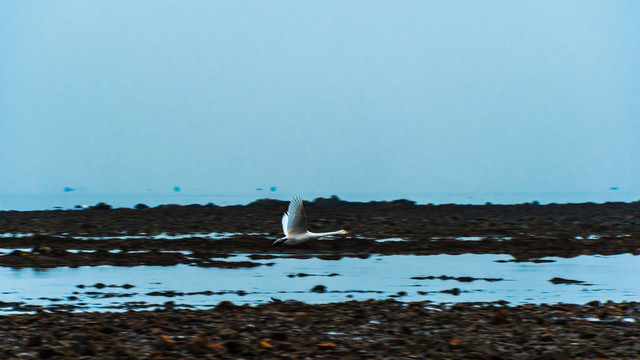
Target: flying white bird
[[294, 225]]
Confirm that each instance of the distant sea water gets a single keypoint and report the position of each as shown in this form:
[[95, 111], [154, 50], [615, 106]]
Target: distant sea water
[[79, 199]]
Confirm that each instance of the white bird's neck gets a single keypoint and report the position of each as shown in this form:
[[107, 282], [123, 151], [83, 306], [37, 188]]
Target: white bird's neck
[[339, 232]]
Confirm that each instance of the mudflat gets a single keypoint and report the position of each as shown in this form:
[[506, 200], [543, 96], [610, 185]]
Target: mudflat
[[198, 234]]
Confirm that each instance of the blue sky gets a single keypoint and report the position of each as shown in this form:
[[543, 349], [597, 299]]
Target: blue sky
[[323, 97]]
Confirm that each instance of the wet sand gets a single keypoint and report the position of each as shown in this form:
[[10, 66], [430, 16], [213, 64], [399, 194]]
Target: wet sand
[[369, 329]]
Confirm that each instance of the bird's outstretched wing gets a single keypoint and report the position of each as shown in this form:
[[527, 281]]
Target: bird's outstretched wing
[[296, 219], [285, 220]]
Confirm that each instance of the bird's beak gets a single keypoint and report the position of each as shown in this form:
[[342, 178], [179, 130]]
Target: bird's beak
[[346, 232]]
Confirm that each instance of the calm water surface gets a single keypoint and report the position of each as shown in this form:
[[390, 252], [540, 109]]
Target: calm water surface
[[378, 277]]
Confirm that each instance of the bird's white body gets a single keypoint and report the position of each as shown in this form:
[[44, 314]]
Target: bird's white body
[[294, 226]]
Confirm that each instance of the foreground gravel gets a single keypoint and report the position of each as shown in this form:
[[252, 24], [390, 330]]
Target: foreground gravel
[[351, 330]]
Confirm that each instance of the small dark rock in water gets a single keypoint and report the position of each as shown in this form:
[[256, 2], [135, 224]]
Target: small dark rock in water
[[454, 291], [319, 289], [540, 261], [141, 207], [557, 280], [305, 275], [460, 278], [166, 293]]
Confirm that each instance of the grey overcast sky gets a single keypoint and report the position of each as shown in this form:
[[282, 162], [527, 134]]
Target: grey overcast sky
[[319, 96]]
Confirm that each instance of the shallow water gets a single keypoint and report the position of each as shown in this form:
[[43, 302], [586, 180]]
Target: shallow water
[[380, 277]]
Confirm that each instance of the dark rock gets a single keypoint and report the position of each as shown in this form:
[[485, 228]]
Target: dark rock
[[34, 340], [227, 334], [225, 305], [330, 201], [403, 202], [101, 206], [454, 291], [164, 342], [498, 318], [278, 336], [284, 346], [557, 280], [47, 352], [235, 346], [553, 355], [319, 289], [269, 203], [304, 318]]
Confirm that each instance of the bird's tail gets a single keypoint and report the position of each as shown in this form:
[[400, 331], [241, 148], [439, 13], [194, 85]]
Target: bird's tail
[[279, 241]]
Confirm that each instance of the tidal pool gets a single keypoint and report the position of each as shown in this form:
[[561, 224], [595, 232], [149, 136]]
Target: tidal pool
[[438, 278]]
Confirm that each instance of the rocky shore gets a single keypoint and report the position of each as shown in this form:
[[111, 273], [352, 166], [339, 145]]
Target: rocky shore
[[131, 236], [350, 330], [205, 235]]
